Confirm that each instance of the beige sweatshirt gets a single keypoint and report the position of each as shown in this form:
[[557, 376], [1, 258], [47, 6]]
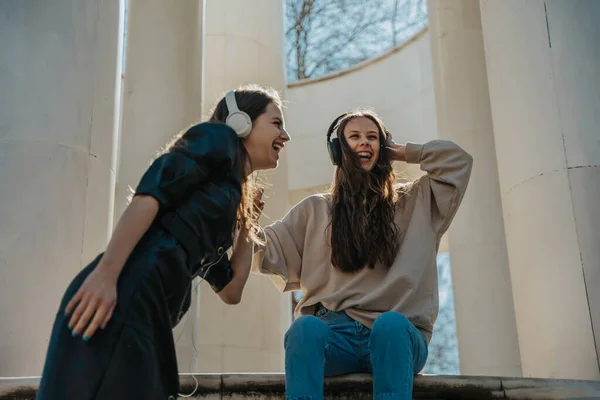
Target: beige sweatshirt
[[297, 253]]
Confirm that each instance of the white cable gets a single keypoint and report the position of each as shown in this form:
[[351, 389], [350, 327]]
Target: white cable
[[196, 319]]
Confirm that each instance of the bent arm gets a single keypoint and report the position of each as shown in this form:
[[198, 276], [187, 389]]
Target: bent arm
[[241, 261], [448, 170], [132, 225]]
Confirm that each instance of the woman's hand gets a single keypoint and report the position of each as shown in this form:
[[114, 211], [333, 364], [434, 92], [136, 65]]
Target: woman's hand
[[396, 152], [241, 231], [93, 304], [258, 203]]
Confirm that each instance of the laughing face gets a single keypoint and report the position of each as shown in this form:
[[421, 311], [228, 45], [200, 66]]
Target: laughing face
[[266, 139], [362, 136]]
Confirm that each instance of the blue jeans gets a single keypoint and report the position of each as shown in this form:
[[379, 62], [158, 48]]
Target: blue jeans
[[334, 344]]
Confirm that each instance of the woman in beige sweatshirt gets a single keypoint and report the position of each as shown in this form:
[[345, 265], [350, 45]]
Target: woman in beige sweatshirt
[[364, 257]]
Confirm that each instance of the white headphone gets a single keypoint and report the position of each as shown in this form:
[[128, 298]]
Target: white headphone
[[237, 119]]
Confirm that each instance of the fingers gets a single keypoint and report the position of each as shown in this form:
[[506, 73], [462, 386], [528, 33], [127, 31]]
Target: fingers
[[108, 316], [71, 305], [92, 305], [85, 314], [79, 309], [99, 318], [258, 199], [87, 310], [389, 139]]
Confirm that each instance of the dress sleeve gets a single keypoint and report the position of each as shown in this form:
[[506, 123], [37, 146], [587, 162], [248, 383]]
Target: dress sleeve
[[448, 170], [175, 175]]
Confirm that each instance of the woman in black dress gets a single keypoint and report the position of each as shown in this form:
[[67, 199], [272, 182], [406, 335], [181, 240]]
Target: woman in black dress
[[112, 338]]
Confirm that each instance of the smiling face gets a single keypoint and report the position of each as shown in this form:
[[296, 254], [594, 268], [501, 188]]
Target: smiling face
[[266, 139], [362, 136]]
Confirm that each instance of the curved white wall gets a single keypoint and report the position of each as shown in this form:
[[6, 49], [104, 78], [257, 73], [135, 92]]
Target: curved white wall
[[162, 84], [542, 65], [398, 85], [59, 72]]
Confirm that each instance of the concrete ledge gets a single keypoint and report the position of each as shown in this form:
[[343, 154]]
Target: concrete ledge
[[356, 386]]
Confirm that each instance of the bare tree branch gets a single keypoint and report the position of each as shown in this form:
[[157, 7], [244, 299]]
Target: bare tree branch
[[324, 36]]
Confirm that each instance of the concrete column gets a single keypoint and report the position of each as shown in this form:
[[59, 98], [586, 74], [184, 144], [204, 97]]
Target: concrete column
[[59, 79], [244, 44], [542, 62], [485, 319], [162, 96]]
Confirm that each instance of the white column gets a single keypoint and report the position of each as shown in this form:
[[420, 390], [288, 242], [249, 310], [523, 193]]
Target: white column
[[162, 96], [543, 64], [59, 79], [244, 44], [485, 317]]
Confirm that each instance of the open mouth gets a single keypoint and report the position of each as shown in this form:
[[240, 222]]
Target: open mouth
[[364, 155], [278, 146]]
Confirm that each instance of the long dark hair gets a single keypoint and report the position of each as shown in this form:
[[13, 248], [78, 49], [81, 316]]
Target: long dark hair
[[253, 100], [363, 231]]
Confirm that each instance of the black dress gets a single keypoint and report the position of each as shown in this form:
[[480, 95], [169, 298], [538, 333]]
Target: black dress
[[198, 186]]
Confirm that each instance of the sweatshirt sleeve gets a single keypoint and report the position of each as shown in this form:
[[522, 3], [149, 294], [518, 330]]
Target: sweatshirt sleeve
[[448, 170], [281, 255]]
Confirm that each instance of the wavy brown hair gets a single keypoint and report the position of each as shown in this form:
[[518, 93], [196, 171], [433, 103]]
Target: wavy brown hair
[[363, 232], [253, 100]]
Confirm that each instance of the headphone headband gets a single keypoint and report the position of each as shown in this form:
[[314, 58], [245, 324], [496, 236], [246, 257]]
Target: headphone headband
[[333, 145], [231, 103], [333, 125]]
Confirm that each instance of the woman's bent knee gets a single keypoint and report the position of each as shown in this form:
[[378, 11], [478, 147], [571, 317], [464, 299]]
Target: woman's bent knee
[[391, 323], [306, 330]]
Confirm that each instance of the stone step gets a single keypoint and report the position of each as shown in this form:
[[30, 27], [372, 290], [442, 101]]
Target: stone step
[[356, 387]]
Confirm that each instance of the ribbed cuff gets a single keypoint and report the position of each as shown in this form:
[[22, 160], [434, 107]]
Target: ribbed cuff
[[413, 153]]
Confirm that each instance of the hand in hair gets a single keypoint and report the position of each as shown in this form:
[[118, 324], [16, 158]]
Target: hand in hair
[[396, 152], [258, 203]]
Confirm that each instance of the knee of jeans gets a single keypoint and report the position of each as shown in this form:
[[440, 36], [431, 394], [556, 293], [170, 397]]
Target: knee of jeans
[[304, 331], [391, 324]]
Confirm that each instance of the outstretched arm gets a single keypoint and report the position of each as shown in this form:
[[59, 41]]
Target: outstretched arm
[[281, 255]]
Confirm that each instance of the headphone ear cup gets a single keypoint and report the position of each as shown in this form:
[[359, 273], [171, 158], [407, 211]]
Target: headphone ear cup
[[333, 145], [240, 122], [330, 152], [335, 151]]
